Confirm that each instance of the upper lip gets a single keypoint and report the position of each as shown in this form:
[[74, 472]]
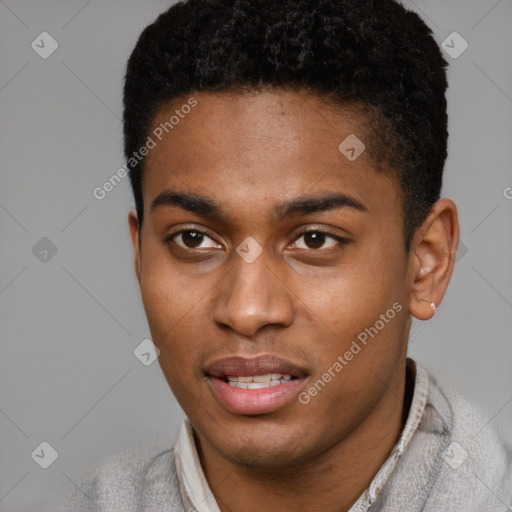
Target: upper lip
[[245, 367]]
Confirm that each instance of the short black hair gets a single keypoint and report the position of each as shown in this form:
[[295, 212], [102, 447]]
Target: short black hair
[[371, 53]]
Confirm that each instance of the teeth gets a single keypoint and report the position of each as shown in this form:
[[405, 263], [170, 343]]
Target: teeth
[[258, 381], [258, 385], [259, 378], [262, 378]]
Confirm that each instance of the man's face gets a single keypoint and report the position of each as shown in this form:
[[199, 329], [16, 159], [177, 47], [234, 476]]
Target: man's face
[[304, 299]]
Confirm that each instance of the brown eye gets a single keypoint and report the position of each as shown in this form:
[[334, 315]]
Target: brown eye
[[192, 239], [314, 240], [317, 239]]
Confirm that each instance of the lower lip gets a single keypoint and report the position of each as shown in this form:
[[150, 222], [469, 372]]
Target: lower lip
[[254, 401]]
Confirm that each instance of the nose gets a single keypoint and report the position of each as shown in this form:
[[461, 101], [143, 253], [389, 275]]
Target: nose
[[252, 296]]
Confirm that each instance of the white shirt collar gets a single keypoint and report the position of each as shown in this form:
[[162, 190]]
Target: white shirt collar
[[190, 473]]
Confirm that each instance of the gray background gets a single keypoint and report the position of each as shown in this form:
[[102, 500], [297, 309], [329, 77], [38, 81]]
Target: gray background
[[69, 325]]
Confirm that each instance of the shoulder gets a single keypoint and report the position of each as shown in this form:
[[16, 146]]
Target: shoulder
[[469, 426], [454, 462], [476, 463], [132, 480]]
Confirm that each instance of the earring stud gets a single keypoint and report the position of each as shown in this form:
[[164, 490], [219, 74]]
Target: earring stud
[[433, 306]]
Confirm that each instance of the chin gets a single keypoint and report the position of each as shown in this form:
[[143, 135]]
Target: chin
[[264, 459], [269, 449]]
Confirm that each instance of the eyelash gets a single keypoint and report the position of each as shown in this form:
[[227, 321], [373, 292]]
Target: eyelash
[[341, 240]]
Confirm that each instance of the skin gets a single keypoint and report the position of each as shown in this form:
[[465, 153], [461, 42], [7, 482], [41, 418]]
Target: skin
[[301, 299]]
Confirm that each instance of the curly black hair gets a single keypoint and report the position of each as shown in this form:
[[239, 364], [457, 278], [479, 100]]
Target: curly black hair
[[371, 53]]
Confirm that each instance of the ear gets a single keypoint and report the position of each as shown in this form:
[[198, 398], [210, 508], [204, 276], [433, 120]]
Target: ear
[[433, 254], [133, 223]]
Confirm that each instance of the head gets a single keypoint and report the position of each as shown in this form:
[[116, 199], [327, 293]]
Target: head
[[286, 161]]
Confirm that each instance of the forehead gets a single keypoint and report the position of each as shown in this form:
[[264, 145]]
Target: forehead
[[261, 147]]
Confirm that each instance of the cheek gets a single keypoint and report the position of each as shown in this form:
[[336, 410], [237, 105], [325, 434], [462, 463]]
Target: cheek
[[357, 313], [351, 297], [166, 294], [175, 310], [169, 309]]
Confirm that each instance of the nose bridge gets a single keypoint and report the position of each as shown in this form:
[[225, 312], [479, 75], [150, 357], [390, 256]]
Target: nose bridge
[[251, 295]]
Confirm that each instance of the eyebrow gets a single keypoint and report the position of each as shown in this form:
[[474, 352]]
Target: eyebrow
[[303, 205]]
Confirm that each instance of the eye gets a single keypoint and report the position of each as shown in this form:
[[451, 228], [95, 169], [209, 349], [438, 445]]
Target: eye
[[315, 239], [192, 239]]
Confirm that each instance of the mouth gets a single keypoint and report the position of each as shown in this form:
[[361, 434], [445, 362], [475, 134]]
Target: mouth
[[252, 386]]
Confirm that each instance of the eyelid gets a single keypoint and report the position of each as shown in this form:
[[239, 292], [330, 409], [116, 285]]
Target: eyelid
[[339, 238], [204, 231]]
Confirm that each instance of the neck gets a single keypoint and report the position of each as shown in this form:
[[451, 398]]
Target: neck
[[331, 481]]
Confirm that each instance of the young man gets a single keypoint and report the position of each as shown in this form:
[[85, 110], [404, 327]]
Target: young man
[[286, 160]]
